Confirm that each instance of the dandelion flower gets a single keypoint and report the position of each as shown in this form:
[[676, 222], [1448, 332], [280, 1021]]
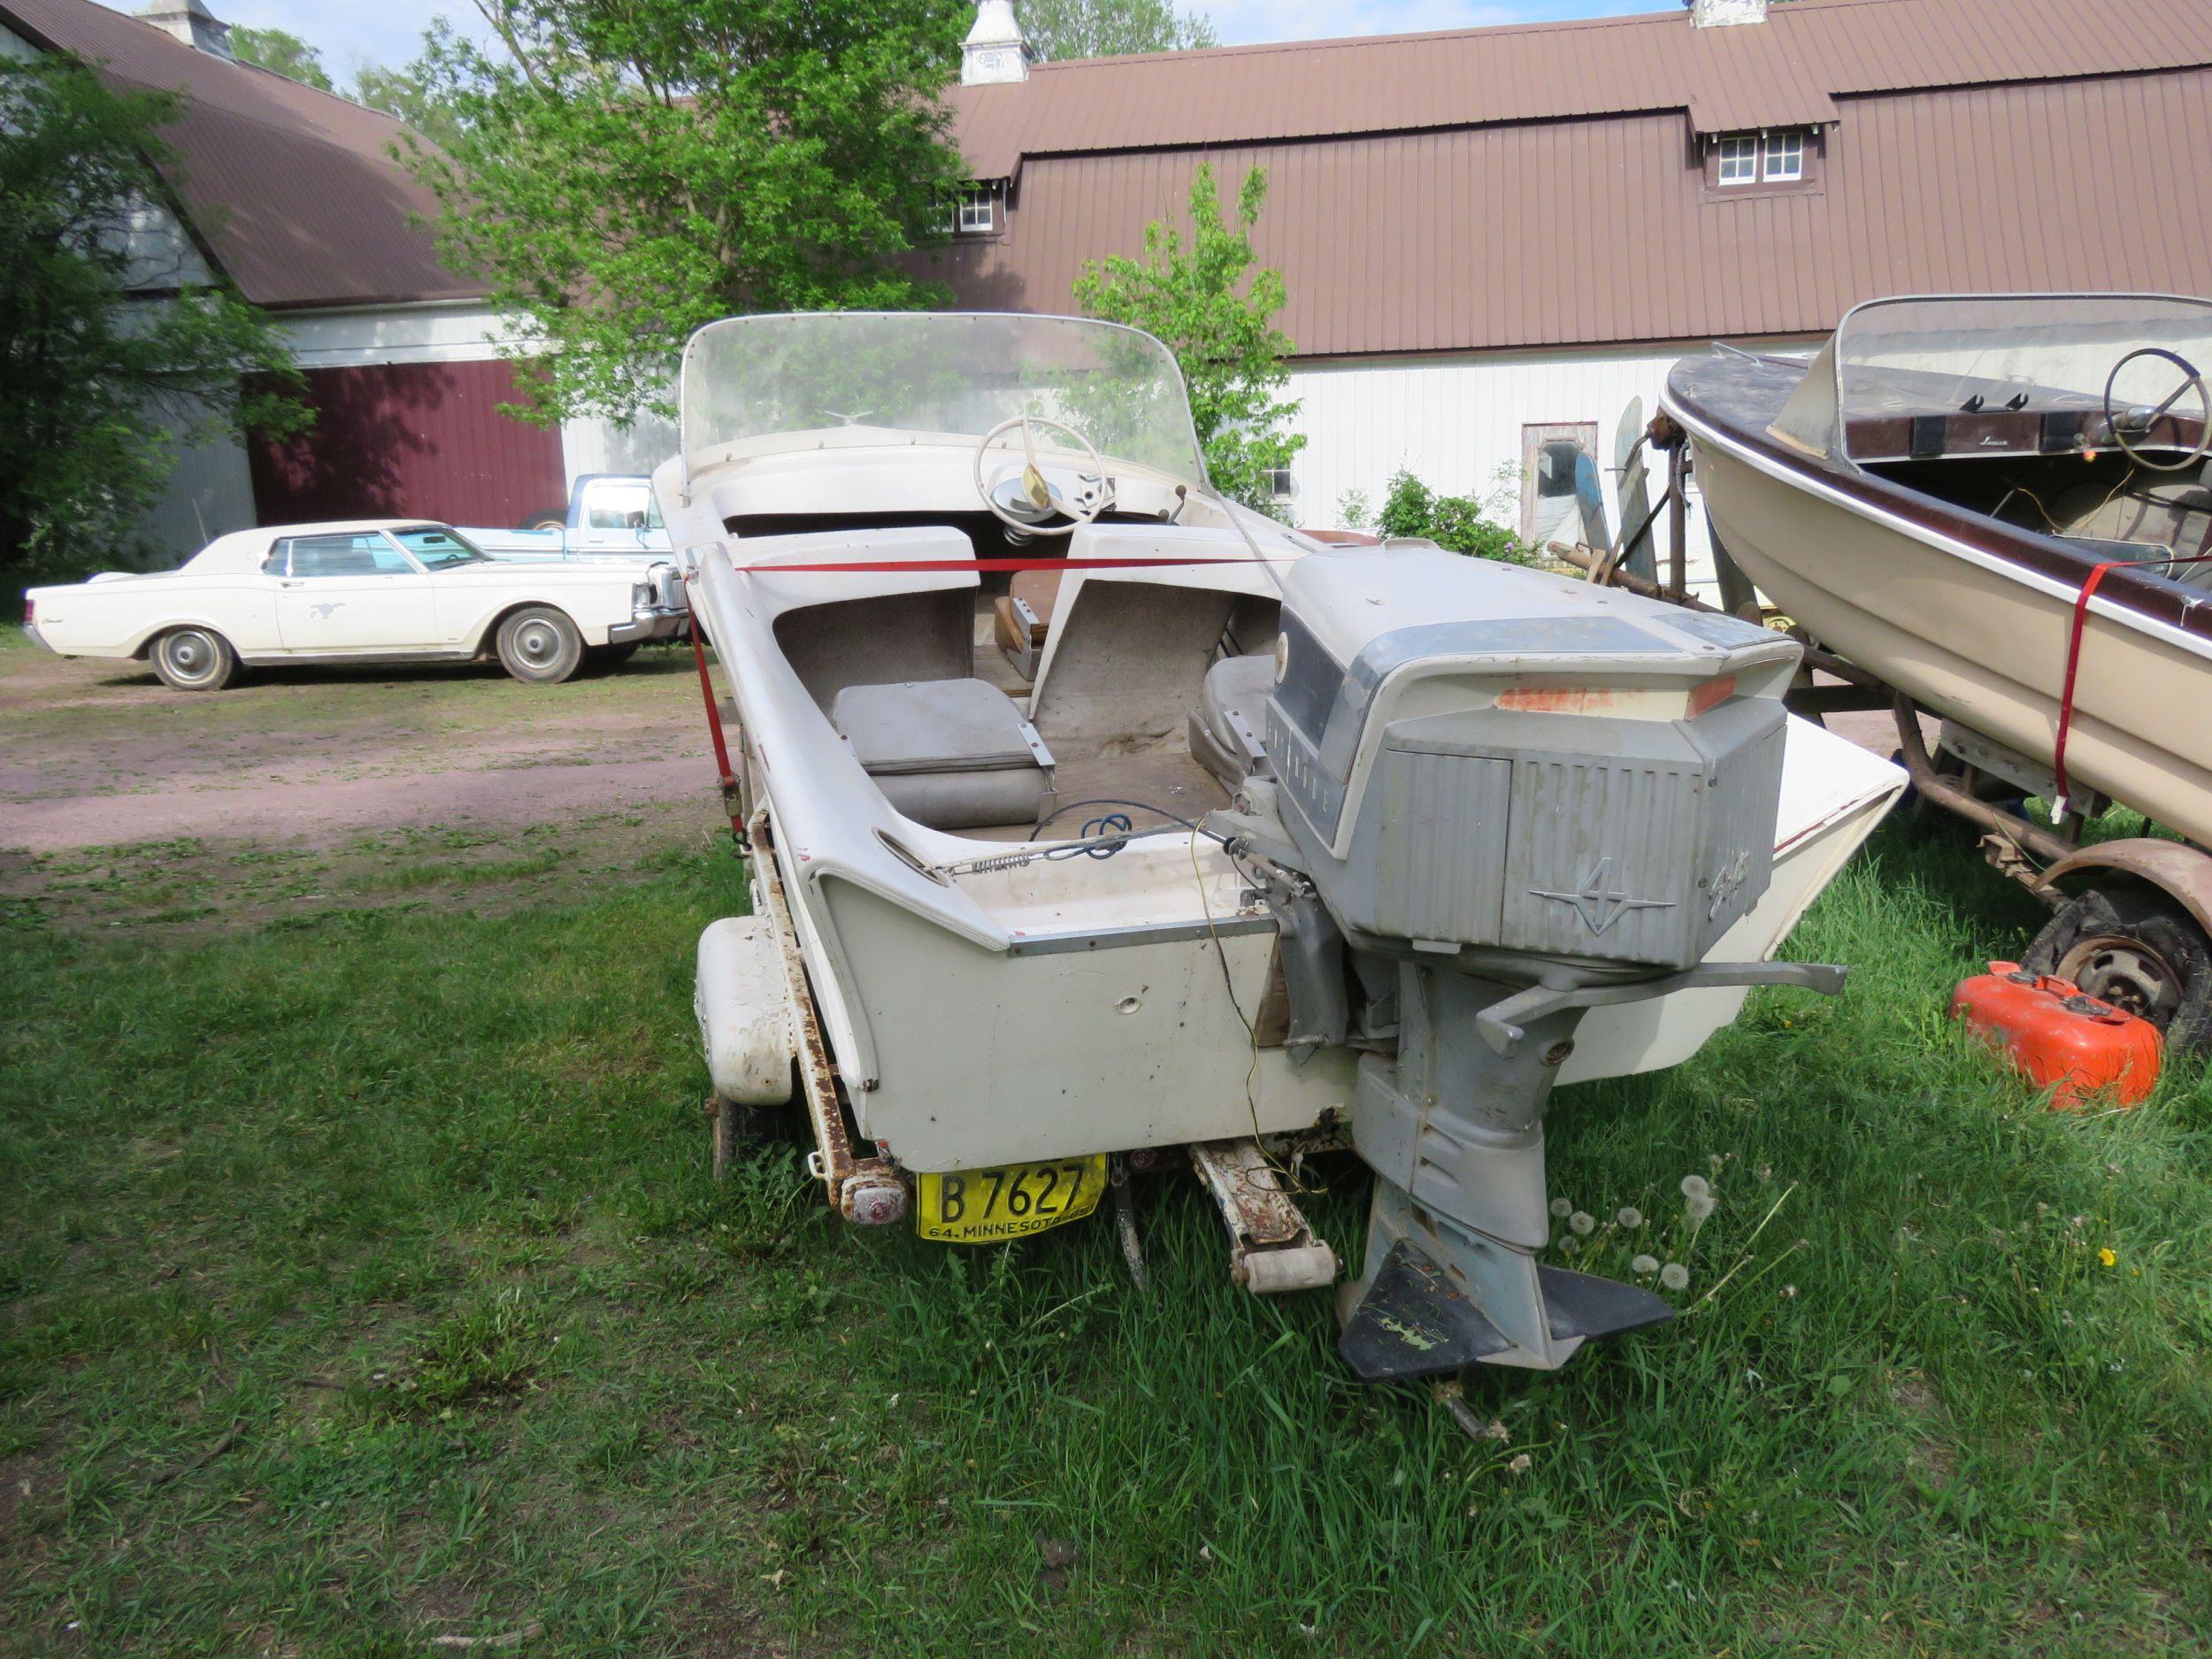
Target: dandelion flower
[[1562, 1208], [1788, 1291], [1644, 1266], [2108, 1256], [1631, 1218], [1674, 1276], [1582, 1222], [1694, 1186], [1520, 1464], [1698, 1208]]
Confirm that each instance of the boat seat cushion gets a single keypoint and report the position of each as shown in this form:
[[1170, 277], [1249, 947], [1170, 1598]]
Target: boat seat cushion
[[1228, 729], [951, 754]]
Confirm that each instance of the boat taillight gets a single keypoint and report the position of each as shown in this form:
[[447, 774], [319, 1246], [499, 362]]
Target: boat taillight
[[1712, 694], [1635, 703]]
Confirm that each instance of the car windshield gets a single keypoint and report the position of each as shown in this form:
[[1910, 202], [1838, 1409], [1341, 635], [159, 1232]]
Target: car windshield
[[750, 382], [437, 548]]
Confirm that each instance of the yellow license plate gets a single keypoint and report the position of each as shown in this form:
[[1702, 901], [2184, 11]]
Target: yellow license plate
[[1010, 1202]]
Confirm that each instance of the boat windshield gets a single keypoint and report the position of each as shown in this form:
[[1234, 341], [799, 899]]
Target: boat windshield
[[750, 382], [2037, 353]]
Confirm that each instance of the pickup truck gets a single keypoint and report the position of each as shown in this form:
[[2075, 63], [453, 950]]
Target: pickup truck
[[610, 515]]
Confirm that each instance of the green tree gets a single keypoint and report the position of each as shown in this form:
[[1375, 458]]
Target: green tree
[[630, 171], [103, 377], [1194, 295], [1061, 29], [417, 92], [1459, 523], [283, 52]]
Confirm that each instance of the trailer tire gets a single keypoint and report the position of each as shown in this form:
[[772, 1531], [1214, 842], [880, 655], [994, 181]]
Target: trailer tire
[[2129, 944], [740, 1128]]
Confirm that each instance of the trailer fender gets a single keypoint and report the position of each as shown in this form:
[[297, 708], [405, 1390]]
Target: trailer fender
[[745, 1021], [2176, 868]]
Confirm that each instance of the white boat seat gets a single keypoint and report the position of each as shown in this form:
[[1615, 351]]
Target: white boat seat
[[951, 754], [1228, 730]]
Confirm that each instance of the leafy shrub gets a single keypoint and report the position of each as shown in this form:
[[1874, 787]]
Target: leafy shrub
[[1457, 522]]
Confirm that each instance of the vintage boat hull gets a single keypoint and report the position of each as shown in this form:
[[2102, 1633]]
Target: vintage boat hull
[[1965, 626], [1080, 1033]]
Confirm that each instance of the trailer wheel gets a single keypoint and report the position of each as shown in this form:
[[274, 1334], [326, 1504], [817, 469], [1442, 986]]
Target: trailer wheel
[[2133, 947], [741, 1127]]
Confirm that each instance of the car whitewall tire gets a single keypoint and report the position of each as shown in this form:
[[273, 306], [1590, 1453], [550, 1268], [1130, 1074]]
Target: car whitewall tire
[[193, 659], [540, 645]]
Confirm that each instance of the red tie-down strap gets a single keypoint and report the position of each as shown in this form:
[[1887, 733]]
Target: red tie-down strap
[[2073, 663], [883, 565]]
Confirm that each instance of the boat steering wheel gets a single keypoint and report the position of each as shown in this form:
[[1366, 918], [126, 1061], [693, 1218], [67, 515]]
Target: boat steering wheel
[[1030, 491], [2144, 422]]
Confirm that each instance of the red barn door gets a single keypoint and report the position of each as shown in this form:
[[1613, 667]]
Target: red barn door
[[409, 440]]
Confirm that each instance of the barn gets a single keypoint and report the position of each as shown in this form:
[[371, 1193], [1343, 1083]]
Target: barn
[[297, 196], [1495, 241]]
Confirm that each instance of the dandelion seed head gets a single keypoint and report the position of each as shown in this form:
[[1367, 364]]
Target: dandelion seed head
[[1644, 1266], [1582, 1222], [1631, 1218], [1713, 1160], [1788, 1291], [1698, 1207], [1674, 1276], [1568, 1247], [1694, 1186], [1562, 1208], [1520, 1464]]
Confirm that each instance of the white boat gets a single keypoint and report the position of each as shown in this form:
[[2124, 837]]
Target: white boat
[[1282, 842]]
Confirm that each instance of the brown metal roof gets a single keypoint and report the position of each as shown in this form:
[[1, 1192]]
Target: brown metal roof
[[1602, 231], [293, 190], [1785, 72]]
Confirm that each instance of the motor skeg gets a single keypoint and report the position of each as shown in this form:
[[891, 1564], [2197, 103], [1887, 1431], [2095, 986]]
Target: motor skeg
[[1499, 798]]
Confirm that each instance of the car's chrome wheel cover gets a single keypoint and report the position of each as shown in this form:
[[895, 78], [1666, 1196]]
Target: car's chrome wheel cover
[[538, 643], [188, 656]]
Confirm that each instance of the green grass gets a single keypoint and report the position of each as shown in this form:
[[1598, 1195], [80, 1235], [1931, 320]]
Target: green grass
[[363, 1282]]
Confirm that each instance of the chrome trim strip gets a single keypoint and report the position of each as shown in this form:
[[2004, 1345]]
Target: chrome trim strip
[[1156, 934]]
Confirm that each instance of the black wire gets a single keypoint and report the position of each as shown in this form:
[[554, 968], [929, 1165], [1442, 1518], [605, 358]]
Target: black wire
[[1141, 806]]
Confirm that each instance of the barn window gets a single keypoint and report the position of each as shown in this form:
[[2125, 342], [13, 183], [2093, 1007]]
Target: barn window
[[1784, 159], [975, 211], [1281, 485], [1551, 456], [1740, 159]]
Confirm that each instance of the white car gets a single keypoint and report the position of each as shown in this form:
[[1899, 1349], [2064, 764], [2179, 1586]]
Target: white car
[[363, 591]]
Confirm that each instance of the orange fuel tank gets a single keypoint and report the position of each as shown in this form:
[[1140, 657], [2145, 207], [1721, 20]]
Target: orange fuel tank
[[2067, 1042]]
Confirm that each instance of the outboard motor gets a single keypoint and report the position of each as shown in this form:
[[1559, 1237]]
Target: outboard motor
[[1499, 799]]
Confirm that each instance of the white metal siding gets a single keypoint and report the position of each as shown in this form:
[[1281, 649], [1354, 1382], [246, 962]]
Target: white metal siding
[[1455, 423]]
